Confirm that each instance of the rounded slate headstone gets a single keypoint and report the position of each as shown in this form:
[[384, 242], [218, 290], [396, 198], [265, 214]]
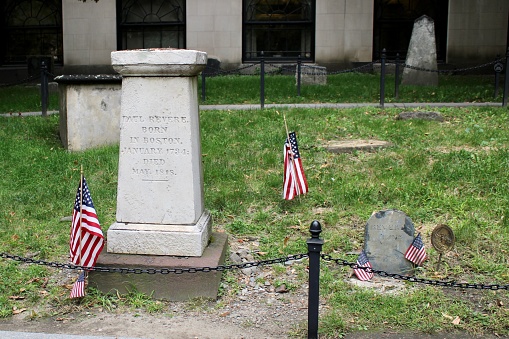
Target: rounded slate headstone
[[388, 235]]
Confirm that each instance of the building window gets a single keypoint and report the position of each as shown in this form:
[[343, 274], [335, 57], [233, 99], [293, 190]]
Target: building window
[[281, 29], [33, 28], [151, 24]]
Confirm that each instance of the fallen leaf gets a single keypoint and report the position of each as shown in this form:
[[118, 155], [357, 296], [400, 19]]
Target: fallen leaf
[[447, 316], [456, 321], [16, 297], [16, 311], [285, 242]]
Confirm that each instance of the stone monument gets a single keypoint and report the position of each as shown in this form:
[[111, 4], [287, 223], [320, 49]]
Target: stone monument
[[388, 235], [161, 219], [422, 53]]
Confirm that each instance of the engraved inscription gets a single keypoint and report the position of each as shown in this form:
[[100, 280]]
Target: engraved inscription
[[154, 143]]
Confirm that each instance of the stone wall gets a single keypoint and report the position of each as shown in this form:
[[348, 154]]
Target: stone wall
[[89, 35], [477, 30]]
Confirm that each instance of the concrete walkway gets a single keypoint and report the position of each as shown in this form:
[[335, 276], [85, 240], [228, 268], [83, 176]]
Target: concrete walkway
[[322, 105], [31, 335]]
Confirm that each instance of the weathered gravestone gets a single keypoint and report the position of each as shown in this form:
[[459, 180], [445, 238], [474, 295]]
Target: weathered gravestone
[[312, 75], [422, 53], [388, 235], [161, 219]]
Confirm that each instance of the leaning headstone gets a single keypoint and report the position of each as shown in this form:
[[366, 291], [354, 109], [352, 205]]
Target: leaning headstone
[[388, 235], [422, 53], [312, 75]]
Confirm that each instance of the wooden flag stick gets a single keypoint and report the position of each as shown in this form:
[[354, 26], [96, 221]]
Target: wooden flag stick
[[294, 175], [81, 212]]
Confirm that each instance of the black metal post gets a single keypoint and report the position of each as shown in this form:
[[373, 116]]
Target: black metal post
[[382, 80], [203, 76], [506, 82], [497, 79], [262, 82], [396, 80], [299, 64], [314, 249], [44, 89]]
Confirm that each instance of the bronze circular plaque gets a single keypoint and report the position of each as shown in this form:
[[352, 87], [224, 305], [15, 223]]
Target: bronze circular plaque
[[442, 238]]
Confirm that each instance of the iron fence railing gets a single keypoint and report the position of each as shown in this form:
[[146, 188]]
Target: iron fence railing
[[314, 255]]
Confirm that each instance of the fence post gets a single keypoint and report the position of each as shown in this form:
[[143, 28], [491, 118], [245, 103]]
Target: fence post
[[262, 82], [506, 82], [396, 80], [203, 76], [299, 64], [314, 249], [382, 80], [44, 89]]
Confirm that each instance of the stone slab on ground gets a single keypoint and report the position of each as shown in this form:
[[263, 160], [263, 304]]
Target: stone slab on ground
[[173, 287], [435, 116], [348, 146]]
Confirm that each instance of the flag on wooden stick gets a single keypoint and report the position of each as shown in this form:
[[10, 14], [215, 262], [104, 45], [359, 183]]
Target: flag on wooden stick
[[87, 240], [294, 179], [362, 273], [416, 252], [78, 288]]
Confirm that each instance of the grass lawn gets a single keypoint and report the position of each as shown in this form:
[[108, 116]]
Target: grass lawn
[[453, 172]]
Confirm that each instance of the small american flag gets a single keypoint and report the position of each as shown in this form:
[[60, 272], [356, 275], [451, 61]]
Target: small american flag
[[294, 179], [87, 240], [363, 261], [416, 253], [78, 288]]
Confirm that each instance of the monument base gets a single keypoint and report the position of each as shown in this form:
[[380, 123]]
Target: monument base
[[154, 239], [171, 286]]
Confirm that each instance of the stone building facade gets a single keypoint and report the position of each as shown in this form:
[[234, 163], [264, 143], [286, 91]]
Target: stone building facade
[[80, 35]]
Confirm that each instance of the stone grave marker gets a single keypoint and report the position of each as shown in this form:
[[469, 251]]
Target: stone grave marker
[[161, 221], [422, 53], [388, 235], [312, 75]]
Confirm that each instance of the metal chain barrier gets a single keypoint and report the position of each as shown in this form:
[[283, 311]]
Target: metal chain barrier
[[219, 268], [458, 70], [415, 279], [281, 260]]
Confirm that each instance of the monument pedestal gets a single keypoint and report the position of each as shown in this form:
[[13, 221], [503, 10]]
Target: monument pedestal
[[171, 286], [156, 239], [160, 210]]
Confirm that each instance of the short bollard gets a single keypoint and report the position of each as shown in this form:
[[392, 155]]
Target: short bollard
[[262, 82], [382, 79], [314, 249], [44, 89]]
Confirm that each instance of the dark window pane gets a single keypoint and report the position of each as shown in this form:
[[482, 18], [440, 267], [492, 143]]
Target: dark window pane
[[33, 27], [280, 28], [152, 24]]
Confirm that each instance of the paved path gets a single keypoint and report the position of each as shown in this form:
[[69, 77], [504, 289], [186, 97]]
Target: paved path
[[323, 105]]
